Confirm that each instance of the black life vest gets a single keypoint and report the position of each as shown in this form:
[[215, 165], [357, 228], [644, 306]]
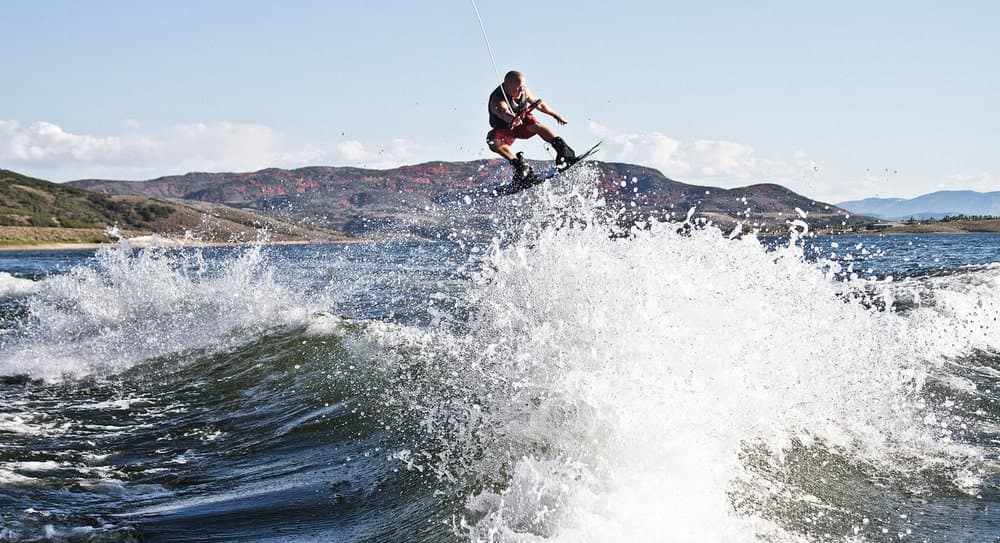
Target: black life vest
[[518, 105]]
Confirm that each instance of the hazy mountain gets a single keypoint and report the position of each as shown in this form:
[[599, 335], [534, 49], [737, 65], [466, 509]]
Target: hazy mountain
[[929, 206]]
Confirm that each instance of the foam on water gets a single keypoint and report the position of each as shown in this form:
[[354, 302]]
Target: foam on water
[[11, 286], [616, 385], [14, 420], [138, 304], [957, 312]]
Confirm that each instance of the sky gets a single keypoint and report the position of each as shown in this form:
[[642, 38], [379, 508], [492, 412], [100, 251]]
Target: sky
[[835, 100]]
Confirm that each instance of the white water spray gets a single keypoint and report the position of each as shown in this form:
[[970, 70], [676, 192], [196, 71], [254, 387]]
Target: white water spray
[[618, 383], [137, 305]]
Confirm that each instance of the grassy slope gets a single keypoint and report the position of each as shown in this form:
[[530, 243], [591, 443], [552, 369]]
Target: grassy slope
[[34, 211], [26, 201]]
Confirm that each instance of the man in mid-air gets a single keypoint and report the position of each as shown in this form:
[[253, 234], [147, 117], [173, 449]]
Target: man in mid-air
[[506, 103]]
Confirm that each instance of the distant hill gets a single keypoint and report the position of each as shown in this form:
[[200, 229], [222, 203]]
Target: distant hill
[[35, 211], [929, 206], [408, 199], [26, 201]]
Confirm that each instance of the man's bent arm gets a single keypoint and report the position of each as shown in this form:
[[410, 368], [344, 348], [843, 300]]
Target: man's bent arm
[[502, 110]]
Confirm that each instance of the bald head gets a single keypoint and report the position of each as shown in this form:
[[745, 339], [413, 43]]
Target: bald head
[[513, 84], [512, 77]]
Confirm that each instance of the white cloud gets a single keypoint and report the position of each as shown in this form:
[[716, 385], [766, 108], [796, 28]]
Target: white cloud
[[47, 150], [729, 164], [393, 153], [46, 142], [222, 146], [710, 162]]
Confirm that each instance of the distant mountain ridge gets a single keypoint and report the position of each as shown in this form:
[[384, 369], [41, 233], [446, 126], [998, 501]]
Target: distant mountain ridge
[[935, 205], [358, 201]]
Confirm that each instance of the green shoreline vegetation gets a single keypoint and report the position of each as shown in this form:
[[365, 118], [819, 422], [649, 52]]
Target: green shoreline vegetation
[[38, 213]]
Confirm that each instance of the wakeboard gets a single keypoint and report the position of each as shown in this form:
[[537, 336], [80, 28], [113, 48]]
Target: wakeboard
[[543, 176], [554, 171]]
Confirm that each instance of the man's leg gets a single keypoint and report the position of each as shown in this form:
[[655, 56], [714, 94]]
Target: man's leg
[[500, 144], [539, 129], [501, 149]]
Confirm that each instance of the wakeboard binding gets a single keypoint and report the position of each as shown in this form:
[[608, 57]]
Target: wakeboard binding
[[523, 174], [564, 153]]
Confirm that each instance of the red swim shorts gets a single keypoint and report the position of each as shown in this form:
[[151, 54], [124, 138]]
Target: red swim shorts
[[506, 136]]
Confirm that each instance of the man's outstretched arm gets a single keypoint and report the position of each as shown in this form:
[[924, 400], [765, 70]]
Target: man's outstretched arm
[[544, 108]]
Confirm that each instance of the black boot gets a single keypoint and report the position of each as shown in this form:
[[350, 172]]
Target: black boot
[[523, 173], [564, 154]]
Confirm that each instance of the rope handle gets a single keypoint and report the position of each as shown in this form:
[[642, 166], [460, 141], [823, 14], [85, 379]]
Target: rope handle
[[524, 112]]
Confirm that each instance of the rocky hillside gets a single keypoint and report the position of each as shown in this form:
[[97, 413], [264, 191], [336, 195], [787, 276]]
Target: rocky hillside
[[358, 201]]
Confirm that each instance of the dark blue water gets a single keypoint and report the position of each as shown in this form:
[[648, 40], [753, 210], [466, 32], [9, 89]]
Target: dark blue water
[[35, 264], [362, 392], [907, 255]]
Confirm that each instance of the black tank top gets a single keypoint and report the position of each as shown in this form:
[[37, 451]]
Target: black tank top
[[519, 105]]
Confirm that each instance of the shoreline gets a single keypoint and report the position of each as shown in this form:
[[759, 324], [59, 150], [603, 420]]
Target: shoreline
[[141, 243], [902, 232]]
